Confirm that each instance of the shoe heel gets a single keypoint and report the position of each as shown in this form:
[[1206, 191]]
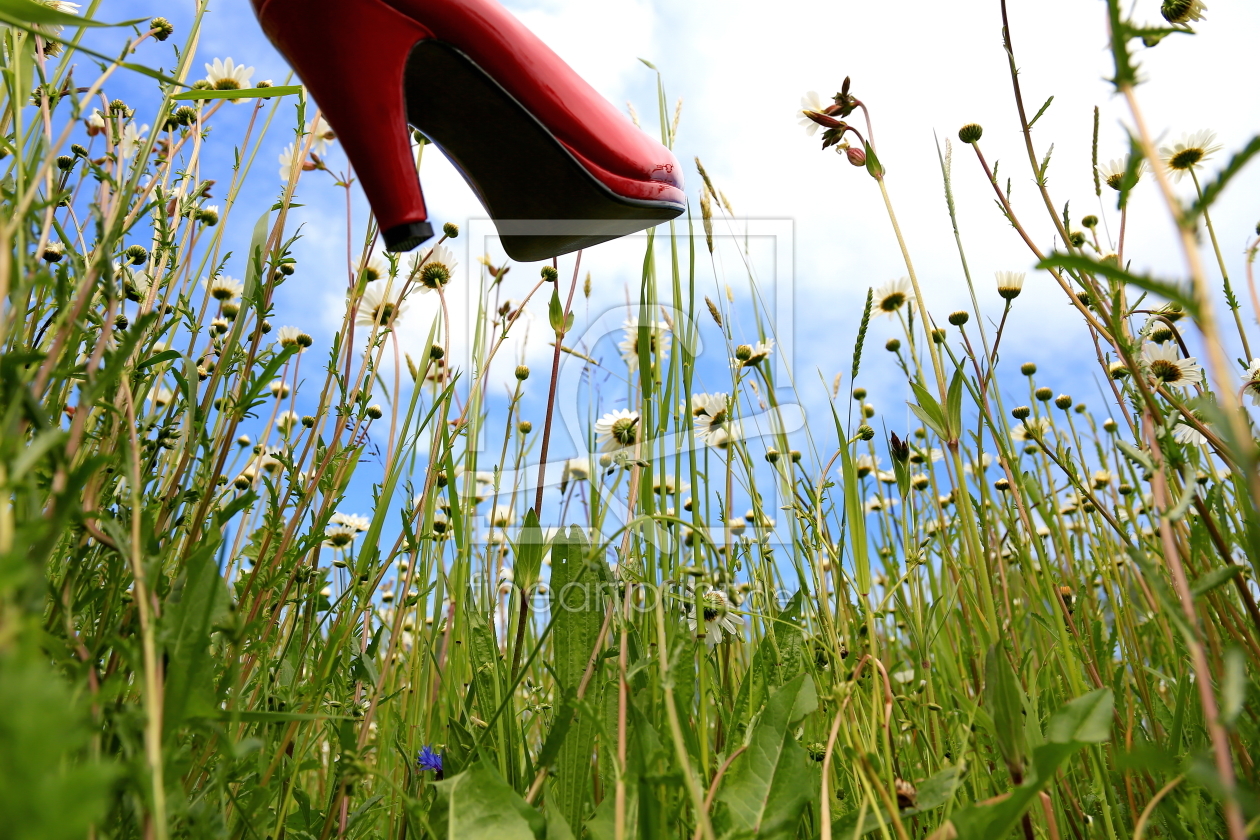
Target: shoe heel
[[360, 93]]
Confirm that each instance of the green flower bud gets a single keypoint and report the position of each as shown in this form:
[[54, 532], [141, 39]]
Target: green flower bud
[[451, 230], [859, 394], [524, 427], [161, 28], [66, 162], [549, 274], [308, 421], [958, 318], [893, 345], [772, 455], [970, 133], [743, 352], [1021, 412], [79, 151], [1063, 401], [522, 372], [1044, 394], [1076, 238], [865, 432], [1090, 222], [1110, 426], [375, 412], [436, 351], [1028, 368], [137, 254]]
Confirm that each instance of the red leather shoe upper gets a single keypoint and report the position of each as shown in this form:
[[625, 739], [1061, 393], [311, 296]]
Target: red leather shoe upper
[[622, 156]]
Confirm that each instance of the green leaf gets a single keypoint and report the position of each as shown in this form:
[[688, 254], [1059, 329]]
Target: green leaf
[[528, 549], [1085, 720], [772, 782], [1168, 289], [953, 404], [873, 166], [478, 805], [555, 311], [855, 518], [28, 11], [1040, 111], [1003, 699], [1215, 578], [244, 93], [197, 599], [933, 793], [158, 358]]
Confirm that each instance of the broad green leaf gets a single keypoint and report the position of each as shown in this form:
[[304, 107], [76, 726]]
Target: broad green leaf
[[1168, 289], [478, 805], [555, 311], [528, 549], [1085, 720], [28, 11], [245, 93], [198, 597], [1003, 699], [873, 166], [772, 782]]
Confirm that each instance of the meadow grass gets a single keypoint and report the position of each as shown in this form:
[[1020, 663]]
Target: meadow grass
[[1014, 619]]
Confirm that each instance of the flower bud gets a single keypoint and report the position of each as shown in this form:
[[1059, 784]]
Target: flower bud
[[1044, 394], [1077, 238], [185, 115], [795, 455], [375, 412], [161, 28], [1028, 368], [1002, 484], [549, 274], [53, 252], [65, 162], [893, 345], [859, 394], [1110, 426], [137, 254], [772, 455], [436, 352], [743, 352], [970, 133], [855, 156], [1090, 222], [308, 421], [865, 432], [287, 268], [1021, 412], [938, 335], [119, 108], [1063, 401], [121, 322], [522, 372], [898, 448], [524, 427], [304, 340], [451, 230], [958, 318]]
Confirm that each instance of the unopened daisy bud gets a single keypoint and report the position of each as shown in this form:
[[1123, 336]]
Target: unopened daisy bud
[[1080, 408], [938, 335], [436, 351], [1084, 298], [522, 372], [1044, 394], [243, 441], [53, 252], [743, 352], [308, 421], [1090, 222], [1125, 489], [605, 461], [958, 318], [549, 274], [525, 427], [795, 455], [451, 230], [1173, 312], [279, 389], [892, 345], [865, 432], [1077, 238], [859, 394], [1063, 401], [208, 216], [161, 28], [375, 412], [1002, 484], [137, 254], [1161, 335], [970, 133], [185, 115], [241, 483], [868, 410], [121, 322], [219, 325], [230, 311], [119, 108], [772, 455], [1021, 412], [1028, 368], [65, 162], [304, 340], [855, 156]]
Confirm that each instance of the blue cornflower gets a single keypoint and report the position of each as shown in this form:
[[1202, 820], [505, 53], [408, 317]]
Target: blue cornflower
[[430, 760]]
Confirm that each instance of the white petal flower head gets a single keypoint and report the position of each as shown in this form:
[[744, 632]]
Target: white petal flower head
[[223, 288], [577, 469], [1164, 368], [1034, 428], [351, 520], [434, 268], [226, 74], [1112, 173], [757, 353], [1188, 435], [983, 462], [379, 307], [160, 396], [287, 421], [501, 516], [375, 269], [1009, 283], [893, 295], [130, 141], [617, 430], [286, 162], [811, 101], [340, 537], [713, 421], [716, 613], [288, 336], [1188, 152], [321, 135], [865, 465], [1251, 381], [658, 338], [96, 119]]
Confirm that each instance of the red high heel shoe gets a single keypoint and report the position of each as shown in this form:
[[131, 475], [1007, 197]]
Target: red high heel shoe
[[557, 167]]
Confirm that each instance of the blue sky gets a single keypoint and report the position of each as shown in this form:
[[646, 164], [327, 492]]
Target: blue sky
[[923, 67]]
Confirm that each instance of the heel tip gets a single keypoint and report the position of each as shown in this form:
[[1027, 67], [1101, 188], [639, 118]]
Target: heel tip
[[408, 236]]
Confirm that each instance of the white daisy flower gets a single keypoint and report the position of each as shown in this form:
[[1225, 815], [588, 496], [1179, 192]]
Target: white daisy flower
[[223, 288], [757, 353], [715, 608], [1188, 152], [893, 295], [875, 503], [617, 430], [321, 135], [225, 74], [434, 268], [1102, 478], [1165, 368], [984, 462], [287, 336], [1251, 381], [351, 520], [96, 120], [501, 516], [131, 139], [375, 269], [713, 421], [378, 308], [736, 526], [286, 162], [1033, 428], [340, 537], [658, 342], [160, 396], [1112, 172], [865, 465], [1009, 283], [1186, 434], [811, 101]]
